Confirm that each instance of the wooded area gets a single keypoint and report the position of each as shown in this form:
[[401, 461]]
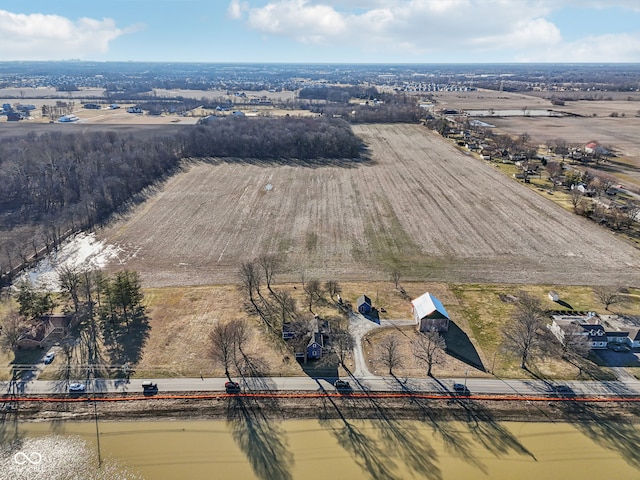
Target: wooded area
[[58, 182]]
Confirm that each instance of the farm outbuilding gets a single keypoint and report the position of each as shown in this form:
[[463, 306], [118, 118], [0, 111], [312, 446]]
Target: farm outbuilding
[[363, 304], [429, 314]]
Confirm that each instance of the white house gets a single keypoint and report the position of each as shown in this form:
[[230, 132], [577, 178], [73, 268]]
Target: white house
[[429, 314]]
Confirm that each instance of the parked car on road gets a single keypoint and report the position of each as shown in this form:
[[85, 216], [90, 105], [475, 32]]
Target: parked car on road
[[48, 358], [232, 387], [76, 387], [149, 386], [341, 385], [460, 389]]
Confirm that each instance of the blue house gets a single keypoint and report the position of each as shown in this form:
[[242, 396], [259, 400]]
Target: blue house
[[363, 304]]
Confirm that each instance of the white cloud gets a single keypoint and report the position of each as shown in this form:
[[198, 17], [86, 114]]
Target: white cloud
[[601, 48], [236, 9], [51, 37], [411, 29]]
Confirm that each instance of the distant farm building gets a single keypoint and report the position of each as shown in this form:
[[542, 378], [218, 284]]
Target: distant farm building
[[363, 304], [429, 314]]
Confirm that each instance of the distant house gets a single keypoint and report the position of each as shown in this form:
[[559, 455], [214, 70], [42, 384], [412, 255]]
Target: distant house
[[363, 304], [429, 314], [591, 327]]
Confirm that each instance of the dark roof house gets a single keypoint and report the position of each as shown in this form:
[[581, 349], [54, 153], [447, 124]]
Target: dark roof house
[[363, 304]]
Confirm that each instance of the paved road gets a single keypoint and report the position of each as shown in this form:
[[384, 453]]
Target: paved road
[[383, 384]]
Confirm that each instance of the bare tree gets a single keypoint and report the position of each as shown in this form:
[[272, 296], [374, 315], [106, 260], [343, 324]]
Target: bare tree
[[222, 345], [607, 295], [342, 344], [10, 331], [554, 170], [270, 265], [575, 342], [522, 336], [69, 279], [287, 307], [313, 293], [251, 279], [395, 277], [429, 349], [301, 332], [576, 198], [333, 288], [389, 354]]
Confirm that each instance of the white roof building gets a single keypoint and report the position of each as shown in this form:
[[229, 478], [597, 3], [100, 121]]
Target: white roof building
[[430, 314]]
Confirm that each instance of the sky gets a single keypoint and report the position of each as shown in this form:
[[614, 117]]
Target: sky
[[322, 31]]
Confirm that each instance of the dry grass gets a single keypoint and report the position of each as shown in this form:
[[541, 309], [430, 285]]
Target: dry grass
[[181, 319]]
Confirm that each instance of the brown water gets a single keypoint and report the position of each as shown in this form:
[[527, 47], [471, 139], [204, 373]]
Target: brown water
[[313, 449]]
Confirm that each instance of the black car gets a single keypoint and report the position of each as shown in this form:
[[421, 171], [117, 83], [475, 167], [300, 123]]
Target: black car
[[460, 389], [341, 385], [232, 387], [148, 386]]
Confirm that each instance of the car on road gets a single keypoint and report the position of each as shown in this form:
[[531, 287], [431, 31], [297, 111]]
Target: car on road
[[76, 387], [48, 358], [232, 387], [460, 389], [341, 385], [149, 386]]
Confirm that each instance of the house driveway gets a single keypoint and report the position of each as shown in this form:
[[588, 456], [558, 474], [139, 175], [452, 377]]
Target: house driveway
[[359, 326], [618, 361]]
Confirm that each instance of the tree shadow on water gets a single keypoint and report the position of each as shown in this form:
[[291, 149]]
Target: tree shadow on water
[[395, 439], [365, 450], [491, 434], [611, 431], [453, 439], [261, 440]]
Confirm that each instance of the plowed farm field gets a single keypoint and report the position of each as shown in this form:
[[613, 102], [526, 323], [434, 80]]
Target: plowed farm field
[[419, 204]]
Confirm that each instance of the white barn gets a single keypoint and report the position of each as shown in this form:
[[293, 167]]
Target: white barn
[[429, 314]]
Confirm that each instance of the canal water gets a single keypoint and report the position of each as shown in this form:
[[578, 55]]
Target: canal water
[[313, 449]]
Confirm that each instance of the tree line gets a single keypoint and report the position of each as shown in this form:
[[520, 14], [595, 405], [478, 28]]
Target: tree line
[[273, 138]]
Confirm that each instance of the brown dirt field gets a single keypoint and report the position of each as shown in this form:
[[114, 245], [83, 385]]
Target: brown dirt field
[[419, 204]]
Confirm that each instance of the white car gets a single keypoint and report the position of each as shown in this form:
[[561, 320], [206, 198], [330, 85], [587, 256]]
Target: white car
[[48, 358], [76, 387]]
